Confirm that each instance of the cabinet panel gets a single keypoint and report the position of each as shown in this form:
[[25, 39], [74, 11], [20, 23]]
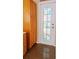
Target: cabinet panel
[[26, 15], [24, 43], [29, 21], [33, 22]]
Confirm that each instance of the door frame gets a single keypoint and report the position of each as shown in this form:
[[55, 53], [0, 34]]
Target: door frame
[[38, 20]]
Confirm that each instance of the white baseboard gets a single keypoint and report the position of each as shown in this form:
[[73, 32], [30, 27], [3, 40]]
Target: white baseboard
[[46, 44]]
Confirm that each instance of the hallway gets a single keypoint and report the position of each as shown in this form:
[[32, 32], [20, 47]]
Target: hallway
[[40, 51], [39, 29]]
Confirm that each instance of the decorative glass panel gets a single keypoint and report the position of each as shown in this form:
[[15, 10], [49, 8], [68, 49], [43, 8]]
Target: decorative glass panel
[[48, 33], [47, 23], [48, 37], [45, 11], [48, 29], [49, 11], [49, 17], [45, 17], [45, 36], [44, 30]]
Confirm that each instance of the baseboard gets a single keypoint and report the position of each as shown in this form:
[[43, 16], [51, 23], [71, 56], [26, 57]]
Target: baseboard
[[46, 44]]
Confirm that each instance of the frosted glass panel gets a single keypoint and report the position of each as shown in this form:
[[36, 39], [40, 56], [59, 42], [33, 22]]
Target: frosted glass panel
[[45, 36], [45, 17], [48, 37], [45, 10], [47, 23], [44, 30], [49, 17], [44, 25], [48, 29], [49, 11], [48, 32]]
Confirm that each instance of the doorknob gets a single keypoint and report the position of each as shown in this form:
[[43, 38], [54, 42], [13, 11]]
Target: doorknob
[[52, 24], [52, 27]]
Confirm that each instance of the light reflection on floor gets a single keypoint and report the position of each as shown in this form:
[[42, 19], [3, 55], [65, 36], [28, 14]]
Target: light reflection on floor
[[46, 53]]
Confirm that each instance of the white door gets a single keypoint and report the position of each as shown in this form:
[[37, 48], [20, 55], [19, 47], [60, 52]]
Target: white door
[[47, 23]]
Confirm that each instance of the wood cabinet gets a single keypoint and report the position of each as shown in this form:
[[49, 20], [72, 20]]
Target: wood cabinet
[[30, 21]]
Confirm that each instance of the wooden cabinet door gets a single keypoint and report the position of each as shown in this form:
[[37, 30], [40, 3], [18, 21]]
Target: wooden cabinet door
[[26, 15], [33, 23]]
